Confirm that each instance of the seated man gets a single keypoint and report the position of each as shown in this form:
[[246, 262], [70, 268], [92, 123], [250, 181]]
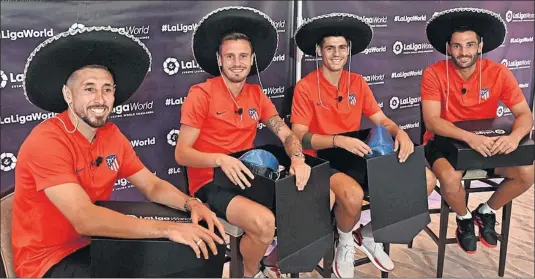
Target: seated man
[[220, 116], [73, 159], [331, 101], [467, 89]]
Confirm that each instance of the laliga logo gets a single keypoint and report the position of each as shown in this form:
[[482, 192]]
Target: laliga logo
[[76, 26], [398, 47], [505, 62], [4, 79], [171, 66], [172, 137], [509, 16], [394, 103], [8, 161], [499, 131]]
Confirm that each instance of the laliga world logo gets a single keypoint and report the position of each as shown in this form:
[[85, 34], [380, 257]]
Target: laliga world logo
[[171, 66], [509, 16], [8, 161], [394, 103], [4, 79], [172, 137], [398, 47], [76, 26]]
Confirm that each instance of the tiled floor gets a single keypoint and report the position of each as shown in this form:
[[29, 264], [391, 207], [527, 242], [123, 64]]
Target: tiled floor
[[420, 260]]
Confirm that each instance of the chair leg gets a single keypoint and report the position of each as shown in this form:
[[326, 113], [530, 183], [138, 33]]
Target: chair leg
[[294, 275], [410, 244], [506, 223], [328, 260], [467, 184], [387, 251], [443, 231], [236, 260]]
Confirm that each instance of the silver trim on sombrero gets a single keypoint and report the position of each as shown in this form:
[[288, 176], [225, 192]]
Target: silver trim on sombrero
[[236, 8], [121, 31], [473, 10], [334, 15]]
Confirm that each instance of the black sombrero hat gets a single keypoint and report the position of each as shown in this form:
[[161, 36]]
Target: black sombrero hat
[[485, 23], [54, 60], [351, 26], [214, 26]]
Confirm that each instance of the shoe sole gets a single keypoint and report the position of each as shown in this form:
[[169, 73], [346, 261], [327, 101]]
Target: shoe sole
[[373, 260], [485, 243], [466, 251]]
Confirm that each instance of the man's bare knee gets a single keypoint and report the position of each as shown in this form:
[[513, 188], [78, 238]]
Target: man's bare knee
[[523, 175], [263, 226], [351, 199], [431, 180]]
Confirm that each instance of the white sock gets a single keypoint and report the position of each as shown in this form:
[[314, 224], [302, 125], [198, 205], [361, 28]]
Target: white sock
[[345, 237], [467, 216], [485, 209]]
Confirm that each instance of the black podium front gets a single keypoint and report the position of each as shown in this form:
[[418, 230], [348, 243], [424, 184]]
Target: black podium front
[[462, 157], [397, 191], [303, 218], [113, 257]]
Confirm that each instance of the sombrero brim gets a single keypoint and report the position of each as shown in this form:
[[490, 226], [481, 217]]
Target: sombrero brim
[[213, 27], [350, 26], [54, 60], [485, 23]]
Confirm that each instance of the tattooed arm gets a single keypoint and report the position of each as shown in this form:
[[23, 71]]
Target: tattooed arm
[[293, 148], [292, 145]]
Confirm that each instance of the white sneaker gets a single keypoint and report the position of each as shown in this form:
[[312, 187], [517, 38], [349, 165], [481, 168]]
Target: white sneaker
[[343, 266], [374, 251]]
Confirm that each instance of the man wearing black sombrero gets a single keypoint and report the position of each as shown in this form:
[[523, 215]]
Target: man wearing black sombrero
[[331, 101], [73, 159], [220, 116], [468, 87]]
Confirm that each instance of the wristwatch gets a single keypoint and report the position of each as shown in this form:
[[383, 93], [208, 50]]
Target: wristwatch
[[187, 208], [299, 155]]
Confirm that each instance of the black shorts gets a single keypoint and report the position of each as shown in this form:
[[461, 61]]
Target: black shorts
[[432, 154], [360, 181], [217, 198], [75, 265]]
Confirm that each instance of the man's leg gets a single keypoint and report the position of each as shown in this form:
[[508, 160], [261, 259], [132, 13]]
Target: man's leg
[[431, 180], [454, 194], [256, 220], [75, 265], [348, 196], [517, 181]]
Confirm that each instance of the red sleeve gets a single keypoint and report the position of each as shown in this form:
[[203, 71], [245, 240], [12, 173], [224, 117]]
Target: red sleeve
[[369, 106], [511, 92], [267, 108], [130, 163], [195, 108], [430, 89], [50, 160], [302, 106]]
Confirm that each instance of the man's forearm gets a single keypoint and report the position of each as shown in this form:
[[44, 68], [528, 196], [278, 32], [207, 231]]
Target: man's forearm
[[439, 126], [522, 126], [167, 194], [391, 126], [317, 141], [100, 221], [191, 157], [292, 145]]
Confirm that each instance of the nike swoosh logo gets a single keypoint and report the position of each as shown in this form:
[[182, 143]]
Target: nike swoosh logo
[[219, 113]]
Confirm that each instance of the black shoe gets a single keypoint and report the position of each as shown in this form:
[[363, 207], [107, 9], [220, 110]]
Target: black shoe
[[465, 235], [486, 222]]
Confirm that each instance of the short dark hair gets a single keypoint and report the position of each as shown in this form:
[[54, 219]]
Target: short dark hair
[[234, 36], [92, 66], [462, 29], [333, 35]]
